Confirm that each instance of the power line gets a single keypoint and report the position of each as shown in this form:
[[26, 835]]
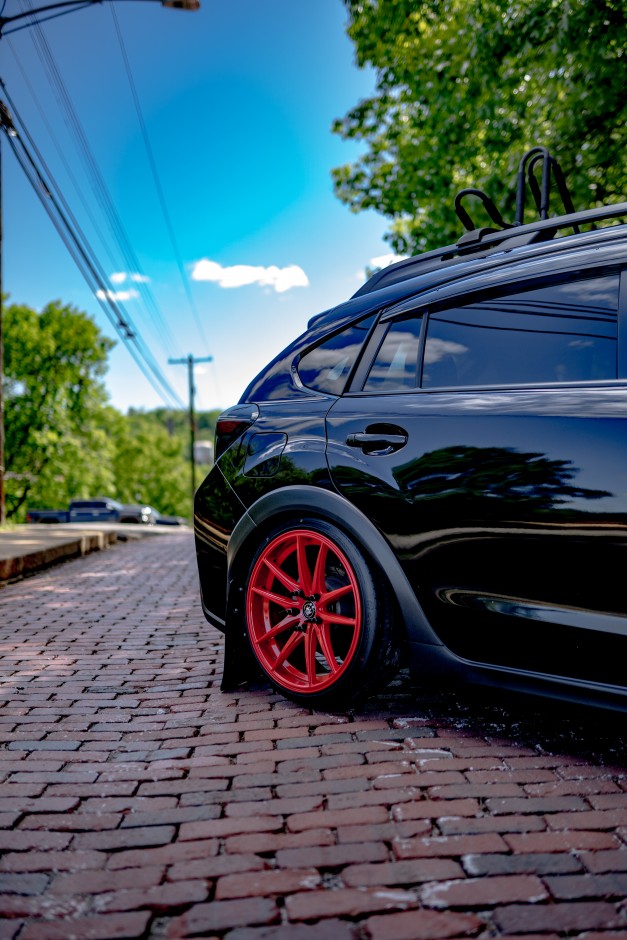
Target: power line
[[68, 169], [156, 178], [85, 259], [99, 187]]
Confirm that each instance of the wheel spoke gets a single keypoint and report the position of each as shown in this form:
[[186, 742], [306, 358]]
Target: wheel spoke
[[324, 639], [318, 581], [285, 624], [339, 619], [311, 641], [333, 596], [290, 645], [292, 586], [280, 599], [304, 574]]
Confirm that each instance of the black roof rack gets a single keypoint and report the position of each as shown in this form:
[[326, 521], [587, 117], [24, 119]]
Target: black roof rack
[[482, 241], [541, 195]]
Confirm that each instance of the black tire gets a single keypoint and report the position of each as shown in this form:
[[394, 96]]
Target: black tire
[[335, 643]]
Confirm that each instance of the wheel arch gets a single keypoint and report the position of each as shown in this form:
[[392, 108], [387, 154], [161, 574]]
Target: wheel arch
[[288, 502]]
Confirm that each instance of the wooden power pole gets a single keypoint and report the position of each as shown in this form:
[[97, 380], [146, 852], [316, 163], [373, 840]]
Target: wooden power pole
[[190, 361]]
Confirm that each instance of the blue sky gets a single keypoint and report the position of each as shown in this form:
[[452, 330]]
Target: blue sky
[[237, 101]]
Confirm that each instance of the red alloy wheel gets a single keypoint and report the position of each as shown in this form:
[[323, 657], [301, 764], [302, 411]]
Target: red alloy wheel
[[304, 611]]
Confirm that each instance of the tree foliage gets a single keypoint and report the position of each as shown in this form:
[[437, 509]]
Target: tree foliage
[[465, 88], [56, 438], [62, 438]]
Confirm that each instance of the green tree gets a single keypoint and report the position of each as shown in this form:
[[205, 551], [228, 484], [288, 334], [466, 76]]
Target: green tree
[[149, 464], [464, 88], [57, 440]]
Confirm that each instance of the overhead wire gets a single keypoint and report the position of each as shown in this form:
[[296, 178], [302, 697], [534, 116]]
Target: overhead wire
[[99, 187], [61, 154], [82, 253], [156, 177]]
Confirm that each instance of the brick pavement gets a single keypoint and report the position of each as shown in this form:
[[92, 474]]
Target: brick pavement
[[137, 800]]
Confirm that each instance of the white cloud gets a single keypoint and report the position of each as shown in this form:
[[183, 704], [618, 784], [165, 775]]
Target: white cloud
[[120, 276], [382, 261], [115, 295], [241, 275]]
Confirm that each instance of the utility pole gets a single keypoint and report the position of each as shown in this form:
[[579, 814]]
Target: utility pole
[[190, 362], [3, 515]]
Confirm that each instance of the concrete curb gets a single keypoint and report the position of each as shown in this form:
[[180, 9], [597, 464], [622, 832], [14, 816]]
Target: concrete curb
[[28, 549], [26, 560]]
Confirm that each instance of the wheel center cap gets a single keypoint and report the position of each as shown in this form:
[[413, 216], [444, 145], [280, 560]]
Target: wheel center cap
[[309, 610]]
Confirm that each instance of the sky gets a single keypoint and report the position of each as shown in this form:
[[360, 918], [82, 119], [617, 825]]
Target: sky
[[196, 157]]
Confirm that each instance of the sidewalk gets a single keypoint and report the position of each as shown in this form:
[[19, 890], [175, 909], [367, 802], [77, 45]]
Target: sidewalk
[[30, 548]]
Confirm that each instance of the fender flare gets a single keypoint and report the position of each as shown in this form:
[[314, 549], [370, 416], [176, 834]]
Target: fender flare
[[336, 509]]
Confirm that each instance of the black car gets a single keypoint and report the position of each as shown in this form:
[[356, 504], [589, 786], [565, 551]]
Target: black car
[[435, 473]]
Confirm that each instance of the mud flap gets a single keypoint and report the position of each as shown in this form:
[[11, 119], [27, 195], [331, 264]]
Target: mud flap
[[240, 666]]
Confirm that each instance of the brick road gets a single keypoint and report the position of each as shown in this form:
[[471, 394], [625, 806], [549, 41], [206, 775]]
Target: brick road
[[137, 800]]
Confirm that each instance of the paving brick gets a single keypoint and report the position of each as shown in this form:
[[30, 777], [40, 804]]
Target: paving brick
[[573, 887], [70, 822], [538, 805], [23, 884], [450, 846], [125, 926], [325, 930], [95, 882], [164, 854], [422, 925], [559, 841], [266, 883], [161, 897], [214, 867], [432, 809], [220, 915], [15, 840], [124, 838], [571, 917], [332, 856], [613, 860], [273, 841], [411, 872], [347, 902], [341, 817], [594, 819], [484, 892], [531, 863]]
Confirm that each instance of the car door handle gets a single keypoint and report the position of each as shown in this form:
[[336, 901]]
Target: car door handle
[[377, 443]]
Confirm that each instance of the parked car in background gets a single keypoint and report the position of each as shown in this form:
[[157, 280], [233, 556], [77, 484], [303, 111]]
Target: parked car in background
[[435, 473], [95, 510]]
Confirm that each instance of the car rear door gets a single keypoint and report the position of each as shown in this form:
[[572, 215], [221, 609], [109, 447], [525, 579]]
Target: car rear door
[[487, 439]]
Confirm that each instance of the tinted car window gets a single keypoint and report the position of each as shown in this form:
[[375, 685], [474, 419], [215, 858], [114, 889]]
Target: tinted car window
[[396, 365], [558, 333], [326, 367]]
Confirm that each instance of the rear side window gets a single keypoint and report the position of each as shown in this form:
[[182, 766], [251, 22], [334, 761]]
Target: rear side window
[[396, 364], [326, 368], [558, 333]]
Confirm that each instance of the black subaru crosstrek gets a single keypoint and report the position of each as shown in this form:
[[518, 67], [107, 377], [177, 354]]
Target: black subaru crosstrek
[[435, 472]]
